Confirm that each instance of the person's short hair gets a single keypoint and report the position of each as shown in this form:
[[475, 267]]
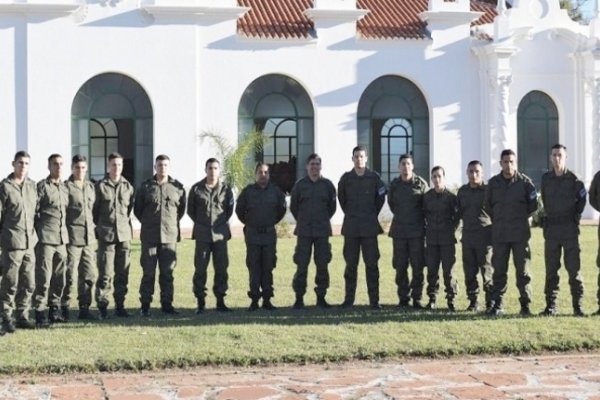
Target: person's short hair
[[360, 147], [438, 168], [507, 152], [473, 163], [260, 164], [162, 157], [406, 156], [559, 146], [313, 156], [21, 154], [78, 158], [114, 155], [210, 161], [53, 156]]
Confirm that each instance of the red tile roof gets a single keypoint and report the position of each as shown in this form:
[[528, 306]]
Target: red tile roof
[[388, 19]]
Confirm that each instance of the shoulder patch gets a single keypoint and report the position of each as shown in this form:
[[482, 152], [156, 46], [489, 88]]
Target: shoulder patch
[[533, 195], [381, 191], [582, 193]]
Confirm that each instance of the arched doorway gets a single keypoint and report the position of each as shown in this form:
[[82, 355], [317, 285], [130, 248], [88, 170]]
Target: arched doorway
[[112, 112], [278, 106], [537, 132], [393, 119]]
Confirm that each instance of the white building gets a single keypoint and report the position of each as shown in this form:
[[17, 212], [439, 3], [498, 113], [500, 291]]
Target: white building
[[448, 80]]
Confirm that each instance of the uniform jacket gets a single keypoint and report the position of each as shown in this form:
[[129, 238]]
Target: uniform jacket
[[406, 203], [260, 209], [112, 209], [80, 221], [51, 213], [210, 209], [595, 194], [361, 199], [510, 203], [477, 224], [159, 209], [564, 200], [313, 204], [441, 216], [17, 214]]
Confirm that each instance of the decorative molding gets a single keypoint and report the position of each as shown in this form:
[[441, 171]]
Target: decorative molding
[[38, 8], [180, 10], [335, 14]]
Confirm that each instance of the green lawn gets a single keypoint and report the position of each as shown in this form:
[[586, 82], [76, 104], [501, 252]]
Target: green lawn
[[312, 335]]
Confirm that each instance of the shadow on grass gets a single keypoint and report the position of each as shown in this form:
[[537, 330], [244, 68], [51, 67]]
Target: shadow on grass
[[290, 317]]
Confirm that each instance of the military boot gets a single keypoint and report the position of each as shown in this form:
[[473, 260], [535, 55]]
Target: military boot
[[145, 310], [103, 311], [167, 308], [431, 305], [525, 310], [54, 315], [85, 314], [253, 305], [120, 311], [451, 305], [200, 306], [473, 306], [321, 302], [549, 311], [8, 325], [221, 306], [64, 312], [41, 321], [25, 323], [299, 304], [267, 305]]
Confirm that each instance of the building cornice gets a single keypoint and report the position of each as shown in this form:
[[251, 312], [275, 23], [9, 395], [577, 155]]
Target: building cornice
[[38, 8], [181, 10], [341, 15]]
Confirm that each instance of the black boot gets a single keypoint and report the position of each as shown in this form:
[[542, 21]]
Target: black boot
[[451, 305], [299, 303], [267, 305], [103, 311], [200, 305], [41, 321], [54, 315], [85, 314], [221, 306], [253, 305], [473, 306], [120, 311], [167, 308], [321, 302], [8, 325], [145, 310], [64, 312], [431, 305]]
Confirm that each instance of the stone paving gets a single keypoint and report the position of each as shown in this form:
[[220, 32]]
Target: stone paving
[[572, 376]]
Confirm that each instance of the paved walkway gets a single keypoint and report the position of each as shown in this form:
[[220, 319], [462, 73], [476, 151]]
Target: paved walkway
[[573, 376]]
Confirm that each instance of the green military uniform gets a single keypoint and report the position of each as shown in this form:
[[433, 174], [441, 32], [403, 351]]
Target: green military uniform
[[595, 202], [210, 209], [51, 251], [509, 203], [259, 209], [441, 220], [112, 209], [17, 240], [476, 242], [407, 231], [159, 208], [564, 199], [81, 255], [361, 198], [312, 204]]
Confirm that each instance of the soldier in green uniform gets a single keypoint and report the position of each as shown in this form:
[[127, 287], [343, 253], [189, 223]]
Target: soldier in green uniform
[[18, 201], [112, 210], [81, 252], [159, 206], [51, 250], [510, 199], [476, 236], [313, 203], [405, 198], [361, 194], [441, 220], [210, 206], [563, 196], [259, 207]]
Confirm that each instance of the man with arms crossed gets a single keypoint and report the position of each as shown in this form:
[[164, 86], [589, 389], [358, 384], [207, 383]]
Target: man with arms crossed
[[18, 201], [361, 193], [210, 206], [313, 203], [112, 210], [510, 199]]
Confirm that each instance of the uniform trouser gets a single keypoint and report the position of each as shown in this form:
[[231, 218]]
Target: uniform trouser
[[370, 253], [113, 268], [261, 260], [552, 253], [18, 283], [165, 255], [406, 250], [220, 265], [521, 259], [446, 255], [81, 265], [302, 253], [49, 275], [477, 260]]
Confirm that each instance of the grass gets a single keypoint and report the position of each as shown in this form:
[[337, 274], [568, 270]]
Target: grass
[[312, 335]]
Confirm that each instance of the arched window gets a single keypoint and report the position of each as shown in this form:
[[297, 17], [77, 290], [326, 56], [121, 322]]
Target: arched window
[[537, 132], [279, 107], [393, 119], [112, 112]]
